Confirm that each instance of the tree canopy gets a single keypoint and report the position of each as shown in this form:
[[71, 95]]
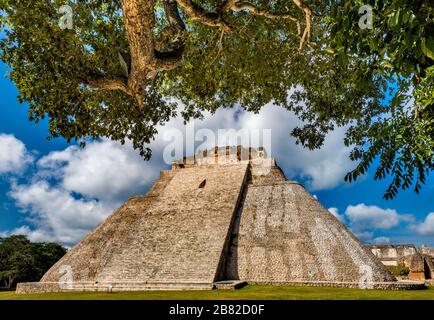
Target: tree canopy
[[22, 260], [116, 72]]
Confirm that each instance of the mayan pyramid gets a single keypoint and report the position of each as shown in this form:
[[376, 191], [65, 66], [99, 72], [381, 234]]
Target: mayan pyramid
[[225, 214]]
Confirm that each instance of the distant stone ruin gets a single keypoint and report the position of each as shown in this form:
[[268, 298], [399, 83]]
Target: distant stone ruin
[[226, 214], [426, 250], [419, 262]]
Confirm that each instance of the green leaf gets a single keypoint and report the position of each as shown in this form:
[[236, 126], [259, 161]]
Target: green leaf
[[394, 19], [373, 44], [427, 46], [412, 19], [387, 64]]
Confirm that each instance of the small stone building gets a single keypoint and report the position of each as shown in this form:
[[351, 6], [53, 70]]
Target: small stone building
[[427, 251], [225, 214], [419, 262]]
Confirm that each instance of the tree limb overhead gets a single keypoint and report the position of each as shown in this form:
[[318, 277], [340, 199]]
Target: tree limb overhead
[[146, 58]]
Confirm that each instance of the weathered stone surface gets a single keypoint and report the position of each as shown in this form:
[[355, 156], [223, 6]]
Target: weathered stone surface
[[283, 234], [31, 287], [394, 285], [427, 251], [394, 255], [223, 215], [428, 267], [229, 284], [420, 264], [177, 232]]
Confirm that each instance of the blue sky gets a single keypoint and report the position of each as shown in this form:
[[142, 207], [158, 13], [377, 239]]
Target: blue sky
[[52, 191]]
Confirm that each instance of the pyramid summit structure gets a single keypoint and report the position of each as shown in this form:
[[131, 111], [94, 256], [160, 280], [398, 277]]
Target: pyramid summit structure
[[225, 214]]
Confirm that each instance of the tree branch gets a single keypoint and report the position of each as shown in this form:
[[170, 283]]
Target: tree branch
[[103, 83], [228, 4], [146, 61], [172, 15], [237, 6], [171, 59], [168, 60], [307, 15], [198, 14]]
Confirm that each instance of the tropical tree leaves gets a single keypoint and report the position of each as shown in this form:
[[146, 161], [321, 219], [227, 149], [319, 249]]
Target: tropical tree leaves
[[22, 260], [399, 48], [340, 78]]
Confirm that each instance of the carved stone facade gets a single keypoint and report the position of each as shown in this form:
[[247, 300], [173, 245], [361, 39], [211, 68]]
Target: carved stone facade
[[427, 251], [225, 214], [419, 262]]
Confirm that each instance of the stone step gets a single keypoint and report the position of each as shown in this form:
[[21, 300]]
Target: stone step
[[229, 284], [33, 287]]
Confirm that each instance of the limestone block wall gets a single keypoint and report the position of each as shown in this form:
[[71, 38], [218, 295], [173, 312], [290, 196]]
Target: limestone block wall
[[407, 255], [283, 234], [236, 219], [427, 251], [177, 232], [428, 267], [394, 255]]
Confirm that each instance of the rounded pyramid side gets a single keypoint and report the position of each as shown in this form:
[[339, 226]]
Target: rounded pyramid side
[[284, 234]]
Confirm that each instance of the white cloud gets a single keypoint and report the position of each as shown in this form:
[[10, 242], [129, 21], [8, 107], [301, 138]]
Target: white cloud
[[33, 235], [105, 170], [13, 154], [380, 240], [322, 169], [335, 212], [364, 217], [427, 226], [364, 235], [74, 189], [55, 213]]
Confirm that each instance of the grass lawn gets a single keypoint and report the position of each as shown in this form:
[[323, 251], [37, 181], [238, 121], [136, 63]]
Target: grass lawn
[[248, 292]]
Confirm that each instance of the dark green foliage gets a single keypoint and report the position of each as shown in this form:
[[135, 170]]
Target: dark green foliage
[[400, 48], [339, 80], [399, 271], [22, 260]]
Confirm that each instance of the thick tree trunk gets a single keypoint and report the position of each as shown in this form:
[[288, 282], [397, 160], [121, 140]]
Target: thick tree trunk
[[145, 61], [139, 20]]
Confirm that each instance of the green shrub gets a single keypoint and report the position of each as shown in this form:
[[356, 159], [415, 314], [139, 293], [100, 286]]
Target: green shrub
[[399, 271]]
